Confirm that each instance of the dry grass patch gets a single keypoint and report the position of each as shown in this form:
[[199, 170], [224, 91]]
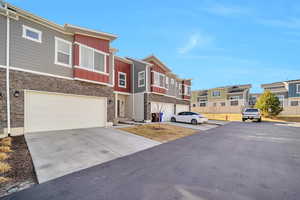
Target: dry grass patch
[[3, 156], [4, 167], [6, 141], [5, 149], [160, 132], [3, 180]]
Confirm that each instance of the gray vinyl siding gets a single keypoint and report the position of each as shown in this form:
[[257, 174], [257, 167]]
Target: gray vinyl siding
[[172, 88], [293, 90], [2, 40], [31, 55], [138, 67]]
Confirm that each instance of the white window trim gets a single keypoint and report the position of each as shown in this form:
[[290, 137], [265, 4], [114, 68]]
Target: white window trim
[[34, 30], [212, 93], [167, 82], [298, 88], [186, 90], [234, 98], [139, 79], [122, 73], [159, 74], [56, 51], [94, 50]]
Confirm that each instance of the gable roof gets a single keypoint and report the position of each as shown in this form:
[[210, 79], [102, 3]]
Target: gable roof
[[157, 61], [66, 29]]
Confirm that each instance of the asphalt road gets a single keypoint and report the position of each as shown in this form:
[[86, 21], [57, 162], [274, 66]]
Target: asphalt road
[[237, 161]]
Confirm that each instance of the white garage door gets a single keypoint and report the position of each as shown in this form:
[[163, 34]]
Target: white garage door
[[181, 108], [51, 111], [166, 108]]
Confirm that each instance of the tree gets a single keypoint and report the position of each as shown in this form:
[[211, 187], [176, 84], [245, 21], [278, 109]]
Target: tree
[[269, 104]]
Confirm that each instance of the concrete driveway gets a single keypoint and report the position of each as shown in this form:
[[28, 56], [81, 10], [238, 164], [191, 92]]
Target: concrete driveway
[[57, 153]]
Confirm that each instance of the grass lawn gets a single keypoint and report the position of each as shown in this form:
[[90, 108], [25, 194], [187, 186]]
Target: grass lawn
[[160, 132]]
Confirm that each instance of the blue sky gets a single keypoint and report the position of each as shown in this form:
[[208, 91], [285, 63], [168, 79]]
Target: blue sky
[[215, 43]]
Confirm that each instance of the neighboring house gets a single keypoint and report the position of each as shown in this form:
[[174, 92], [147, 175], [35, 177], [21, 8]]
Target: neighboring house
[[228, 99], [288, 93], [253, 98], [156, 89], [55, 77]]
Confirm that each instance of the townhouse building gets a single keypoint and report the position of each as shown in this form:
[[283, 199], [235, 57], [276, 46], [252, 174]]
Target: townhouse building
[[228, 99], [288, 93], [55, 77]]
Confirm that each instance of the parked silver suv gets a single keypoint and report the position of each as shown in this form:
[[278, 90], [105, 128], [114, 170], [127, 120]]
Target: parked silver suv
[[252, 114]]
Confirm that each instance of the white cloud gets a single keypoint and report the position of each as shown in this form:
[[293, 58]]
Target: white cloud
[[196, 40], [223, 10], [292, 23]]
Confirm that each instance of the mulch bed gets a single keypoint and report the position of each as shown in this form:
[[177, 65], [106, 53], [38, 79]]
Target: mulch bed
[[22, 174]]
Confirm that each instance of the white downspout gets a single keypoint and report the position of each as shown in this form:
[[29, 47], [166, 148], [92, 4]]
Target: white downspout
[[133, 111], [7, 71]]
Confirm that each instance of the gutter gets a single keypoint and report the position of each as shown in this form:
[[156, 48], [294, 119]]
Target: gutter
[[7, 70]]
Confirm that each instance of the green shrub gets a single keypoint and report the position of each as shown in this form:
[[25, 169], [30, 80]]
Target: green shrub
[[269, 104]]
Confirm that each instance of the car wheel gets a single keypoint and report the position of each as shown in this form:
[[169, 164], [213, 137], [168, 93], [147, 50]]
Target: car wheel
[[244, 119], [259, 120], [173, 119], [194, 122]]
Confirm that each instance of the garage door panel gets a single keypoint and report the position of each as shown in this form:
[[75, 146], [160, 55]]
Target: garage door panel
[[181, 108], [166, 108], [48, 111]]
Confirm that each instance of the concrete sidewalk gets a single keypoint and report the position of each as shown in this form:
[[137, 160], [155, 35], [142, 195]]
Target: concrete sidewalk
[[57, 153]]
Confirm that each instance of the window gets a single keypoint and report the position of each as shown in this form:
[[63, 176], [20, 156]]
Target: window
[[298, 88], [234, 98], [167, 82], [63, 52], [122, 79], [281, 99], [187, 90], [92, 59], [32, 34], [172, 81], [141, 79], [202, 104], [294, 103], [222, 103], [159, 79], [216, 93], [234, 103]]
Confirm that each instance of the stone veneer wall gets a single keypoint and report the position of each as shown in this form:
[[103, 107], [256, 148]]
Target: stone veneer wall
[[148, 97], [3, 119], [20, 81]]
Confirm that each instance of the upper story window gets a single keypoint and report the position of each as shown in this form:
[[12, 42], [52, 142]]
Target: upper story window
[[234, 98], [172, 81], [122, 79], [298, 88], [141, 79], [32, 34], [187, 90], [167, 82], [63, 52], [92, 59], [216, 93], [159, 79]]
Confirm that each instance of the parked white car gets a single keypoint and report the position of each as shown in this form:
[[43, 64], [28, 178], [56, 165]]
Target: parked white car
[[189, 117], [252, 114]]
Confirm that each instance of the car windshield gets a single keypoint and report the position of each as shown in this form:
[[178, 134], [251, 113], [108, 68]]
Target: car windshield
[[251, 110]]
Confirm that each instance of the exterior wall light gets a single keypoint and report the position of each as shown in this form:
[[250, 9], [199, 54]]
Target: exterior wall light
[[16, 93]]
